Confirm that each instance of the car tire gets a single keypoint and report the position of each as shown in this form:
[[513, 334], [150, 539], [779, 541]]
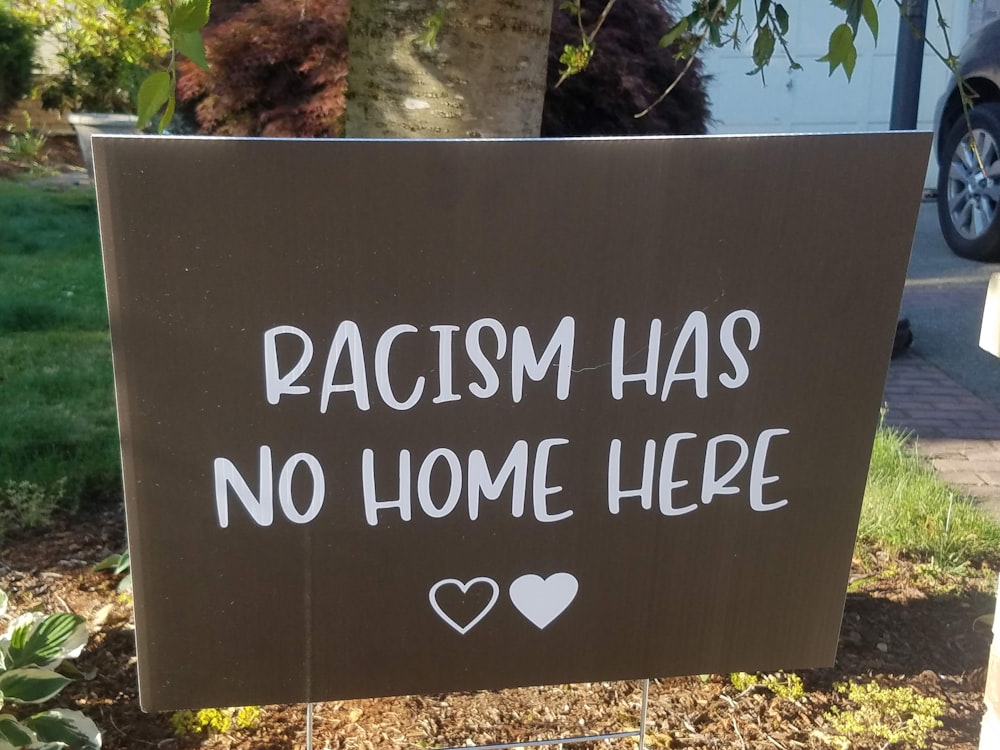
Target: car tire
[[968, 200]]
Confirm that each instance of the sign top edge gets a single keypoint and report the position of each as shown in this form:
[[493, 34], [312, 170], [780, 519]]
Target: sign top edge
[[708, 136]]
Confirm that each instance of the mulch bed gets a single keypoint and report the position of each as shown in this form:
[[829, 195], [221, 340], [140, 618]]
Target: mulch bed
[[905, 624]]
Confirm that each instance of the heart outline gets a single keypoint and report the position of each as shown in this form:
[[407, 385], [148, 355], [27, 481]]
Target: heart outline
[[542, 600], [464, 588]]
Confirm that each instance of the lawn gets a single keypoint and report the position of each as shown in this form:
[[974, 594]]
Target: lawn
[[59, 443], [909, 511]]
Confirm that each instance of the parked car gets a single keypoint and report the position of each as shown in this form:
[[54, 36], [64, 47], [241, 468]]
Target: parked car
[[968, 196]]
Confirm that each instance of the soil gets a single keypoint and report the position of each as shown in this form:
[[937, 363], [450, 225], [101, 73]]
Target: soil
[[905, 624]]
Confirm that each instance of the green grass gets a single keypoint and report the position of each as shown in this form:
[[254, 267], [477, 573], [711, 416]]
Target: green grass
[[909, 511], [58, 441]]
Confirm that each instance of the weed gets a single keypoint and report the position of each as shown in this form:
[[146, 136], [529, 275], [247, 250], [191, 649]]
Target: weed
[[214, 720], [27, 144], [781, 684], [787, 686], [908, 510], [893, 715], [744, 680], [28, 505]]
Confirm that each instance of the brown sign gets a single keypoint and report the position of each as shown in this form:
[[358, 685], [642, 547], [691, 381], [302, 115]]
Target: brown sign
[[406, 417]]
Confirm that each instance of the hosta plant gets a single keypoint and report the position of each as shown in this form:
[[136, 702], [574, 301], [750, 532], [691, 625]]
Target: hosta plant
[[33, 661], [118, 563]]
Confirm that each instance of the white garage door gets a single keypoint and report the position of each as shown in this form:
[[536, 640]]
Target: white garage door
[[811, 101]]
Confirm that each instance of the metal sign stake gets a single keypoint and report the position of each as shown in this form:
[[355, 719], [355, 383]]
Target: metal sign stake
[[642, 714], [640, 734]]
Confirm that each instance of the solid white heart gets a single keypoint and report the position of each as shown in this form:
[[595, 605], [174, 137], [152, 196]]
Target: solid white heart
[[542, 600], [464, 588]]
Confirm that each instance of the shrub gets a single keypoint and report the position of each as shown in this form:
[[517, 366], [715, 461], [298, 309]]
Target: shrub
[[626, 74], [103, 51], [273, 71], [17, 53]]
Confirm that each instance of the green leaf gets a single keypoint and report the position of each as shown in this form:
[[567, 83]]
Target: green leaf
[[70, 727], [192, 46], [31, 684], [763, 48], [781, 16], [853, 9], [73, 672], [189, 15], [12, 731], [133, 5], [48, 640], [575, 58], [762, 9], [108, 563], [671, 36], [168, 115], [153, 94], [870, 14], [715, 34], [842, 52], [19, 633]]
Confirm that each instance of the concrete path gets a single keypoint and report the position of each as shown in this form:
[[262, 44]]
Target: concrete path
[[946, 390]]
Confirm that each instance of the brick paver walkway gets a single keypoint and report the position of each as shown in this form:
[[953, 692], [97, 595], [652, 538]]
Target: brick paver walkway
[[958, 431]]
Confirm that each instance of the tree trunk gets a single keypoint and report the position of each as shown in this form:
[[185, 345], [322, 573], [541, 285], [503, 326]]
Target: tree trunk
[[484, 76]]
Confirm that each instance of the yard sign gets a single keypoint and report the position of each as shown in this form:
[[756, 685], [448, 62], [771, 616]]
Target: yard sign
[[410, 417]]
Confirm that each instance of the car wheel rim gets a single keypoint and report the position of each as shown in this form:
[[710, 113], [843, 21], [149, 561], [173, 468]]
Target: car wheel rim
[[973, 192]]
